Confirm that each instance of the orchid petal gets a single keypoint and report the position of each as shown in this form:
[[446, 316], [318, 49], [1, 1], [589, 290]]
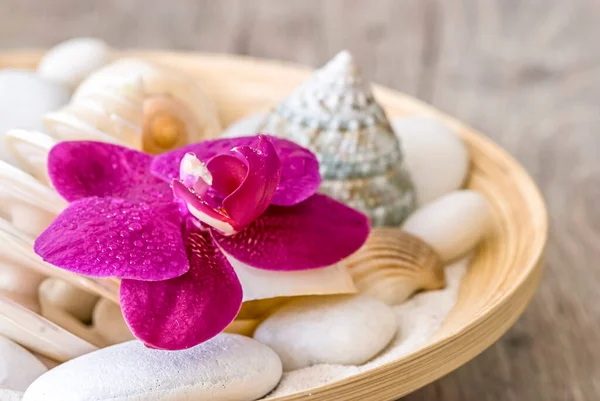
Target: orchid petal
[[188, 310], [110, 237], [315, 233], [300, 177], [85, 169]]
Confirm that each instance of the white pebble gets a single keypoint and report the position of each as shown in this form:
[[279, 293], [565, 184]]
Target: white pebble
[[245, 126], [342, 329], [18, 367], [24, 99], [109, 322], [71, 61], [453, 224], [437, 159], [10, 395], [227, 367], [65, 296]]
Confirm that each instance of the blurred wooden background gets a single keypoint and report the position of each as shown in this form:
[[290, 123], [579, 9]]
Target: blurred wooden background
[[526, 72]]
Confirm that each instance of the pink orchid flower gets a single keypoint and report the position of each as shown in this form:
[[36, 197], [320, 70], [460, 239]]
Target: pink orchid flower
[[169, 226]]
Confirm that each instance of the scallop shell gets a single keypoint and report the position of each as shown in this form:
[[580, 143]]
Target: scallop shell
[[138, 104], [392, 265], [335, 115]]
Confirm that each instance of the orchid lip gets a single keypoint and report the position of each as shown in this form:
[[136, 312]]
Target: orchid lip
[[202, 211]]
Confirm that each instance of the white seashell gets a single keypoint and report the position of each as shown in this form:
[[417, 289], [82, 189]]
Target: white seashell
[[335, 115], [71, 61], [18, 281], [437, 159], [30, 205], [39, 334], [340, 329], [453, 224], [392, 265], [74, 301], [24, 98], [30, 149], [227, 367], [18, 367], [248, 125], [109, 323], [262, 284], [138, 104]]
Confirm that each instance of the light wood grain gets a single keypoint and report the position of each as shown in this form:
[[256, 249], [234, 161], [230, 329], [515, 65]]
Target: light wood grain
[[525, 72]]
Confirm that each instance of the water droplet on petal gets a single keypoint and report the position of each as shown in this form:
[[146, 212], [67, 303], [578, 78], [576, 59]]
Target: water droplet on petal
[[135, 227]]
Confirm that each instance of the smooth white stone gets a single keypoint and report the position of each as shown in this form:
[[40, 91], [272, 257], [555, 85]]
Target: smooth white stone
[[228, 367], [24, 99], [109, 322], [341, 329], [437, 159], [18, 367], [245, 126], [71, 61], [10, 395], [453, 224], [68, 298]]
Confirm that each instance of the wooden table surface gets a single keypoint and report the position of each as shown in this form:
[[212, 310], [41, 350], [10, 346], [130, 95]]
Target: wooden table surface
[[526, 72]]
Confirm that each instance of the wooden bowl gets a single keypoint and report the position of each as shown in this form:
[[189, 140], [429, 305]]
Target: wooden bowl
[[505, 270]]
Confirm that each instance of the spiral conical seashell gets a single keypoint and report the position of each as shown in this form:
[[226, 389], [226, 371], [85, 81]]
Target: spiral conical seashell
[[137, 104], [335, 115], [392, 265]]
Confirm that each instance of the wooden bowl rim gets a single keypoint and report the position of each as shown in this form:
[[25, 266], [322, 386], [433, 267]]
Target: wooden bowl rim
[[531, 269]]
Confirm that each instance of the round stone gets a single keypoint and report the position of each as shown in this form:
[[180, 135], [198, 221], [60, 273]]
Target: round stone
[[109, 322], [18, 367], [68, 298], [10, 395], [453, 224], [437, 159], [24, 99], [227, 367], [71, 61], [341, 329]]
